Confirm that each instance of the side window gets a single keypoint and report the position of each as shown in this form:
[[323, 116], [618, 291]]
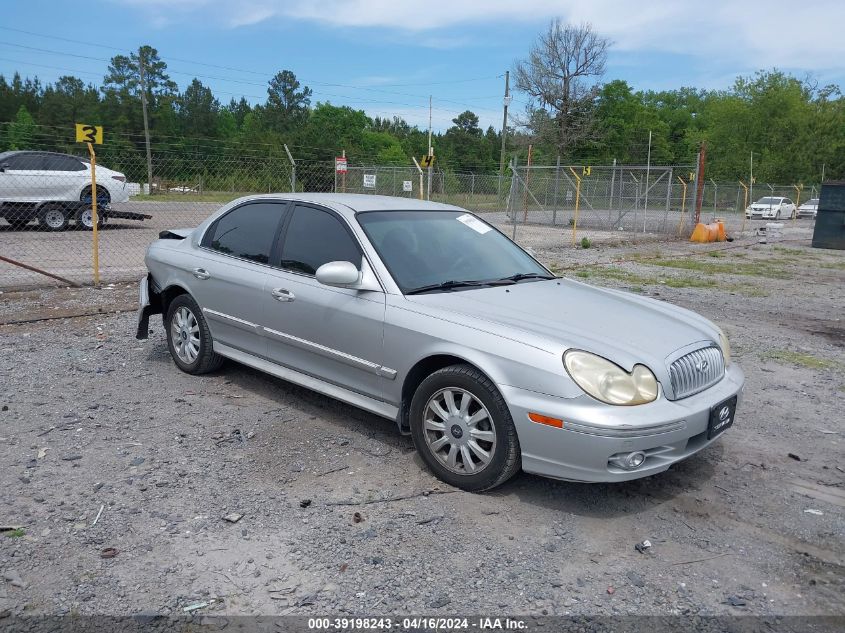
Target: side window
[[60, 162], [247, 232], [25, 161], [314, 238]]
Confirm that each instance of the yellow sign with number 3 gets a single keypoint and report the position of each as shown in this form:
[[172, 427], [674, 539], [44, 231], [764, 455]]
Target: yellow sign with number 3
[[89, 133]]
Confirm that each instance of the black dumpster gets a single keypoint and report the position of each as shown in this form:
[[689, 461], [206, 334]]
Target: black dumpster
[[830, 220]]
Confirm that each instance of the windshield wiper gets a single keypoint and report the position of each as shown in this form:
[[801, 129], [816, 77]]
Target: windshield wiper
[[446, 285], [521, 276]]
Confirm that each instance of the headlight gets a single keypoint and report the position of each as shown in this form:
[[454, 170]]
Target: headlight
[[726, 347], [608, 382]]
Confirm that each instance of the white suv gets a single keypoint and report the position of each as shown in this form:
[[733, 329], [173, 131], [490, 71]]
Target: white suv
[[771, 208], [40, 184]]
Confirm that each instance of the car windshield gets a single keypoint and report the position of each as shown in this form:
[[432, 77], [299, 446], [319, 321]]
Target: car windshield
[[769, 200], [445, 250], [814, 201]]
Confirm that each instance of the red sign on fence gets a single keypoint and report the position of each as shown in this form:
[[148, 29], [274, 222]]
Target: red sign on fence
[[340, 164]]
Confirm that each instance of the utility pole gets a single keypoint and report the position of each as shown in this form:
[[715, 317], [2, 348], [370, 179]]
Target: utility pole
[[647, 181], [430, 149], [505, 102], [146, 120]]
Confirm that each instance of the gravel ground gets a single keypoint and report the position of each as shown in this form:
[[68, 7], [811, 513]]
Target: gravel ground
[[105, 444]]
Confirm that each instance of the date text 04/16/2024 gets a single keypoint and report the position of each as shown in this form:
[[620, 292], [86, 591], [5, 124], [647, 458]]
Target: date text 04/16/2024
[[415, 623]]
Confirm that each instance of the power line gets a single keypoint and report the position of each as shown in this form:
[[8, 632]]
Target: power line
[[249, 71], [240, 81]]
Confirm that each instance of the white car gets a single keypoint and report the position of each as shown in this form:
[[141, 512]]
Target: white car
[[53, 188], [809, 209], [771, 208]]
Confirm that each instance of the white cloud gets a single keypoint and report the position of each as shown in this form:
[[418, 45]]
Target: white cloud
[[750, 33]]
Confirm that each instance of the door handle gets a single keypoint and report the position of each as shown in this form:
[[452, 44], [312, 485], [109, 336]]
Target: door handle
[[280, 294], [201, 273]]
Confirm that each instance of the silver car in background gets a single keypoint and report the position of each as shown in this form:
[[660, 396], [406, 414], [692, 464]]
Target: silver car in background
[[425, 314], [808, 209]]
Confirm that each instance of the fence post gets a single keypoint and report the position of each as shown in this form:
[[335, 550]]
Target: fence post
[[292, 170], [669, 190], [511, 209], [612, 193], [557, 185]]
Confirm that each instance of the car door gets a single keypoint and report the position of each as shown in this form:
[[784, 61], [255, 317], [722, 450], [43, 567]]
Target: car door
[[788, 207], [23, 178], [228, 272], [67, 176], [335, 334]]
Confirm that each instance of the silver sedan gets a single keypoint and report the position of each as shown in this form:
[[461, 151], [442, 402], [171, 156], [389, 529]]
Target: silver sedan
[[425, 314]]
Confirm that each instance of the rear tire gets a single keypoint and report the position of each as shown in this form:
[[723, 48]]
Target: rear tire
[[103, 196], [477, 424], [84, 219], [188, 337], [53, 218]]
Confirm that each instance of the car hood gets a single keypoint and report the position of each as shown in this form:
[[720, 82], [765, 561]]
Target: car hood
[[561, 314]]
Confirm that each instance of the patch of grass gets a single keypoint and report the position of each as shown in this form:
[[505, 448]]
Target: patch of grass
[[790, 251], [799, 358], [634, 279], [586, 242], [637, 281], [15, 533], [767, 268], [716, 254], [834, 265], [210, 196]]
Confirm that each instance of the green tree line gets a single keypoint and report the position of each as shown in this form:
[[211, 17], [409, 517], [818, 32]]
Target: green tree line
[[792, 126]]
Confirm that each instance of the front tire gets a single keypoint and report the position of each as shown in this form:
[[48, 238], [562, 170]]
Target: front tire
[[463, 430], [53, 218], [188, 337]]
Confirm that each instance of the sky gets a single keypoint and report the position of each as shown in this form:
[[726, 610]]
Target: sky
[[388, 56]]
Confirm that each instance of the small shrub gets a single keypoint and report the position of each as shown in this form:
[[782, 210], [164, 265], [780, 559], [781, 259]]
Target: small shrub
[[586, 242]]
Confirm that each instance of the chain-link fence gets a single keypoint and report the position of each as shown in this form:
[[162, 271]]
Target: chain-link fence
[[45, 201]]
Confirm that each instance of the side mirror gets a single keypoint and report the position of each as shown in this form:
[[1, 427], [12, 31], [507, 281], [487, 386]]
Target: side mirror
[[4, 166], [341, 274]]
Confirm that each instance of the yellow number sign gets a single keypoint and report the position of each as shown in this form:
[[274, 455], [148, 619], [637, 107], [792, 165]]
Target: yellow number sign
[[89, 133], [586, 171], [427, 161]]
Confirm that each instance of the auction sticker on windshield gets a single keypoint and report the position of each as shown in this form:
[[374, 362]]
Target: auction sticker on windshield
[[474, 223]]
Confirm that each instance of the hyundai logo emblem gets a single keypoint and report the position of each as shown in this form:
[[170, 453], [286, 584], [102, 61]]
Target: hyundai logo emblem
[[701, 366], [724, 413]]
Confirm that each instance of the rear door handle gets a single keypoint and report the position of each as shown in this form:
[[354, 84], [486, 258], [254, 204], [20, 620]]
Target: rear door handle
[[280, 294], [201, 273]]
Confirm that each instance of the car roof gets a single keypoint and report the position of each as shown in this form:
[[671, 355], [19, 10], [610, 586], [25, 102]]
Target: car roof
[[358, 202], [35, 151]]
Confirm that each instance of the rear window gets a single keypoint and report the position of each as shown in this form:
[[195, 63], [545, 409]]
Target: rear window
[[247, 232]]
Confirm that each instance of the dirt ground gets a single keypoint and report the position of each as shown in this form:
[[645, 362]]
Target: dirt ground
[[105, 444]]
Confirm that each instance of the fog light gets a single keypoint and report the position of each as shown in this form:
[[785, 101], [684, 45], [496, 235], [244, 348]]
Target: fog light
[[628, 461]]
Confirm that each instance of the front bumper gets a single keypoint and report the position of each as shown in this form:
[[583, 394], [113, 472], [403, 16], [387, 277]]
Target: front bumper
[[666, 431]]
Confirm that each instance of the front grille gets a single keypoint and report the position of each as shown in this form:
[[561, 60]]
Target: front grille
[[696, 371]]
